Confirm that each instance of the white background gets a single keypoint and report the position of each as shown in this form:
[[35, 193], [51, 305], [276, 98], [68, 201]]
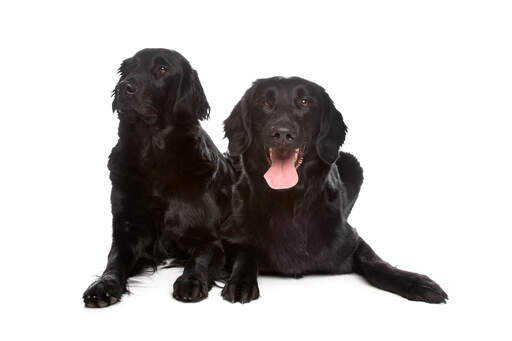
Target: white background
[[425, 88]]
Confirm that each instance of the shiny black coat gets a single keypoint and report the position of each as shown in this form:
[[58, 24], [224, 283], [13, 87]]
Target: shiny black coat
[[304, 229], [170, 184]]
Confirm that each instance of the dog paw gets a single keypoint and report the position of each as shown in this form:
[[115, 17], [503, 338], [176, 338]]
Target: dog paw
[[421, 288], [190, 289], [240, 291], [103, 292]]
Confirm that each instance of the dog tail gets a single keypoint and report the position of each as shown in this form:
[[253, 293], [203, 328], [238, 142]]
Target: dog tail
[[382, 275]]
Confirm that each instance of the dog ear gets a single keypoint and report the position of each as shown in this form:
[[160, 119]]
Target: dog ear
[[190, 97], [122, 73], [331, 134], [114, 101], [237, 127]]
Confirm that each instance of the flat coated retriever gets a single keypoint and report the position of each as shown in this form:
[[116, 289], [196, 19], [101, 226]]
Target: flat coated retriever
[[170, 184], [295, 193]]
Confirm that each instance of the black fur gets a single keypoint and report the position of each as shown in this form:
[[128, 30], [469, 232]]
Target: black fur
[[304, 229], [170, 184]]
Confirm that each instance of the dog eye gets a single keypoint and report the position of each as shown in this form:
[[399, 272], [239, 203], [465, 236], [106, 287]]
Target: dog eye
[[163, 69], [267, 103], [304, 102]]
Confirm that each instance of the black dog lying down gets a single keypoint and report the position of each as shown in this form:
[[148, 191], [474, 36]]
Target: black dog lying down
[[292, 200], [170, 184]]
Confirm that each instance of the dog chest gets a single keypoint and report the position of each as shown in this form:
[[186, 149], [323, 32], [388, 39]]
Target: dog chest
[[294, 246]]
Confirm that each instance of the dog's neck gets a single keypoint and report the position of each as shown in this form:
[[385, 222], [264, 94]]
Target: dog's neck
[[175, 147], [139, 134]]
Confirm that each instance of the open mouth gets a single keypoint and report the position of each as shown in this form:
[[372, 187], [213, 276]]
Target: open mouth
[[284, 162]]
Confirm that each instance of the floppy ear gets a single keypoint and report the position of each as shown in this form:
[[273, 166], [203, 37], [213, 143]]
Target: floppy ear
[[190, 97], [122, 73], [114, 101], [331, 134], [237, 127]]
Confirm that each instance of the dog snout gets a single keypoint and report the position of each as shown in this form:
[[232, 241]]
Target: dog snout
[[128, 87], [283, 134]]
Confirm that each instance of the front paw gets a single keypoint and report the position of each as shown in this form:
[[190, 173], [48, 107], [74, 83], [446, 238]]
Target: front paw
[[418, 287], [241, 291], [190, 289], [105, 291]]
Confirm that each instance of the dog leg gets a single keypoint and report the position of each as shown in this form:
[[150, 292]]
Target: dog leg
[[109, 288], [199, 274], [242, 286], [413, 286], [131, 243]]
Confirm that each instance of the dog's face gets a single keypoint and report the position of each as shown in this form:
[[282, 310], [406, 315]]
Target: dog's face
[[281, 123], [159, 85]]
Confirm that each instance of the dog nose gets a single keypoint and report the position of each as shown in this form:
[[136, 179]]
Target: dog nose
[[282, 135], [128, 87]]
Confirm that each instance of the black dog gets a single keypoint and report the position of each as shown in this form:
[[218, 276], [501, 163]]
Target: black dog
[[170, 184], [295, 192]]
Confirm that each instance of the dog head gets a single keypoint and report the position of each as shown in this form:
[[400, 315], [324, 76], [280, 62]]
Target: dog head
[[159, 85], [281, 123]]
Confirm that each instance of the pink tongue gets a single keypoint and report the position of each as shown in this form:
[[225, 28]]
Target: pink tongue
[[282, 174]]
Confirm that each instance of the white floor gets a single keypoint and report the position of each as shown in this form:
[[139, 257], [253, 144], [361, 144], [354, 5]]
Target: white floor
[[44, 300]]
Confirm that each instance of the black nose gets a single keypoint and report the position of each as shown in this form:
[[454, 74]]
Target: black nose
[[128, 87], [282, 135]]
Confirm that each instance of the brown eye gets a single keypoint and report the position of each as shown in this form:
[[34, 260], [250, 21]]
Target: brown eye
[[304, 102], [267, 103], [163, 69]]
